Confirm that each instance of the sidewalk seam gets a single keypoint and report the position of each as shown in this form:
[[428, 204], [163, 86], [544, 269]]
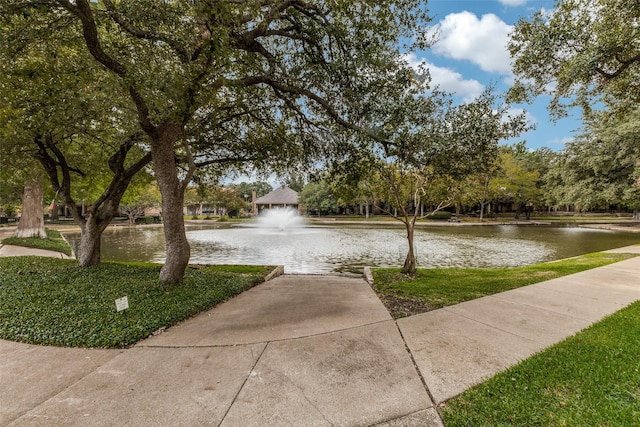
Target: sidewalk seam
[[415, 366], [264, 342], [233, 401]]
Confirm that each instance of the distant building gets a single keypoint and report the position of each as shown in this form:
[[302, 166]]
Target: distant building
[[280, 197]]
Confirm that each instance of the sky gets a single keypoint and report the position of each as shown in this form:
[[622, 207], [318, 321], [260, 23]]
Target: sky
[[471, 54]]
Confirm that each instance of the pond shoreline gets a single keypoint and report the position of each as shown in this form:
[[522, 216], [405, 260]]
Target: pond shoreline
[[623, 225], [613, 224]]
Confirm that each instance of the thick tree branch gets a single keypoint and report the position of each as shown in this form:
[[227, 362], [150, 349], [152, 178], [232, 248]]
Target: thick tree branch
[[82, 10], [625, 64], [326, 105], [139, 33], [116, 161], [51, 165], [119, 183]]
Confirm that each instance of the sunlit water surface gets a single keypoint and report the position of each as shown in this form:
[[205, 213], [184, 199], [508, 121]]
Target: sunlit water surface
[[349, 248]]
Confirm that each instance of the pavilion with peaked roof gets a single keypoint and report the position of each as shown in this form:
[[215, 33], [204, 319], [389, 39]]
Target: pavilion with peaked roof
[[280, 197]]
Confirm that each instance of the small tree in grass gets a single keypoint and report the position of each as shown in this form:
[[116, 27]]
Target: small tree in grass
[[430, 147]]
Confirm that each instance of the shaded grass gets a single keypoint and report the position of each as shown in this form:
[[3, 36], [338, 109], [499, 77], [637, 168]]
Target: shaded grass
[[440, 287], [52, 301], [53, 242], [590, 379]]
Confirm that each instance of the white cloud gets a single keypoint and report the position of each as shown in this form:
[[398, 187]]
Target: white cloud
[[559, 141], [482, 41], [513, 2], [448, 79]]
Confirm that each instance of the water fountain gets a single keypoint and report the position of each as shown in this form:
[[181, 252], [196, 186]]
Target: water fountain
[[281, 219]]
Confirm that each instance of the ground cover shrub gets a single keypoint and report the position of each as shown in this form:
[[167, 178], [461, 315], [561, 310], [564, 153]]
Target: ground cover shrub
[[440, 215], [52, 301]]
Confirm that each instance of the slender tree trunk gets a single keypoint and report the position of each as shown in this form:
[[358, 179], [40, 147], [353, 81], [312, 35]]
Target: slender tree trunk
[[32, 218], [636, 214], [410, 266], [483, 203], [164, 164]]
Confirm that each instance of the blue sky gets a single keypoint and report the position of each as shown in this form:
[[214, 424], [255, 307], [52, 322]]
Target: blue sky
[[471, 54]]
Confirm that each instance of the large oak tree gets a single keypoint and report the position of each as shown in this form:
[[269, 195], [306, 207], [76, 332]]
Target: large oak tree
[[601, 167], [61, 119], [220, 81], [586, 53], [580, 52]]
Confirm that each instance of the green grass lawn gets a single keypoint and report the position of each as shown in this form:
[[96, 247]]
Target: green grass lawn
[[53, 242], [52, 301], [590, 379], [434, 288]]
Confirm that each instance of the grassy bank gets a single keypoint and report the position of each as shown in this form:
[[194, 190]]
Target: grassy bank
[[53, 242], [590, 379], [54, 302], [439, 287]]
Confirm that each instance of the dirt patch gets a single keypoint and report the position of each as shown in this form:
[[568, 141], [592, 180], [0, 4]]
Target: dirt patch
[[400, 307]]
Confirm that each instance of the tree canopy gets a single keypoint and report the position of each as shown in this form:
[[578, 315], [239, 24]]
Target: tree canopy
[[581, 52], [64, 114], [602, 167]]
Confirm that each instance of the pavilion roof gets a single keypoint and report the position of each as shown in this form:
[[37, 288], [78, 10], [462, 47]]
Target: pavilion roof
[[280, 196]]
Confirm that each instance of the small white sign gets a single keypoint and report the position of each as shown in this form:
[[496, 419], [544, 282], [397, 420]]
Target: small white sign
[[122, 303]]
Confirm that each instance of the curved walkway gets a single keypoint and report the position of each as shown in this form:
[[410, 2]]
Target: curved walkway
[[305, 350], [11, 250]]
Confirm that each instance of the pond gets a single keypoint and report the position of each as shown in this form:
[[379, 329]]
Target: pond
[[348, 248]]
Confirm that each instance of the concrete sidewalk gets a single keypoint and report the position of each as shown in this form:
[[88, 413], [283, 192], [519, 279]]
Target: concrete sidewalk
[[305, 350], [459, 346], [10, 250]]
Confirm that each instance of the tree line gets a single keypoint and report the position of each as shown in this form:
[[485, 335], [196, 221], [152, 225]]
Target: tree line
[[596, 173]]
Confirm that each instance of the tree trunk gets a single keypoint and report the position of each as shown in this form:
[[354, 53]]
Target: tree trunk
[[89, 249], [32, 218], [165, 168], [482, 210], [636, 214], [409, 266]]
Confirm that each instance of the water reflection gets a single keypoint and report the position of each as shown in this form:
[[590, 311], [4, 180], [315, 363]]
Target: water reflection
[[340, 248]]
